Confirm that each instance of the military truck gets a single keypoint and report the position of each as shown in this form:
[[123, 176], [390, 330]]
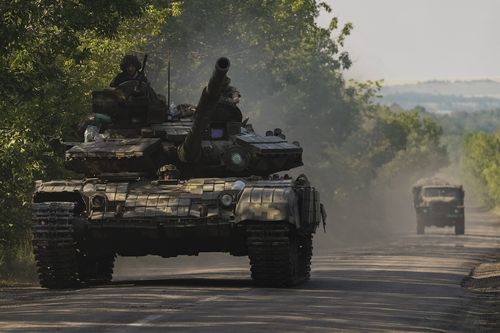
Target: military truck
[[439, 203], [161, 181]]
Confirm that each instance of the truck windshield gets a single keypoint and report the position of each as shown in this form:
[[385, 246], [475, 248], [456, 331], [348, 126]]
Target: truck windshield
[[440, 192]]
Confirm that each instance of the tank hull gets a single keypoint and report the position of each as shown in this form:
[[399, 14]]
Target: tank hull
[[99, 219]]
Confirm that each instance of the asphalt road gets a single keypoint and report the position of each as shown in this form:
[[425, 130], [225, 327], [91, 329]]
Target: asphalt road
[[406, 283]]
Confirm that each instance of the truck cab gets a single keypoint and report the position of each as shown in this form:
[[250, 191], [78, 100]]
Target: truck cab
[[439, 205]]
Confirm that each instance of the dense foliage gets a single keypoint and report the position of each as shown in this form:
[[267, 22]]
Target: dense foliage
[[52, 53], [288, 69], [481, 158], [458, 123]]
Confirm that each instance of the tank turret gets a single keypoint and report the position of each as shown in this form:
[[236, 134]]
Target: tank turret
[[208, 143]]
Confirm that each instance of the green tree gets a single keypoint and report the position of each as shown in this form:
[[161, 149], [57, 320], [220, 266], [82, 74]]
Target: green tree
[[52, 53], [286, 66]]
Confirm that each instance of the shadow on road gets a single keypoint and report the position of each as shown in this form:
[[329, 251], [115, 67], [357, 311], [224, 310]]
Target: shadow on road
[[186, 282], [353, 299]]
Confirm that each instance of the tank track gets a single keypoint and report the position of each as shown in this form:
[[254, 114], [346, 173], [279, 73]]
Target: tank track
[[279, 257], [54, 246]]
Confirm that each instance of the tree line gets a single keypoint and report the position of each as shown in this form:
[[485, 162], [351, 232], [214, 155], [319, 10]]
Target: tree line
[[481, 159]]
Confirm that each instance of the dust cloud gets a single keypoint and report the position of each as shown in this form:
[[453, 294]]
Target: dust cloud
[[382, 210]]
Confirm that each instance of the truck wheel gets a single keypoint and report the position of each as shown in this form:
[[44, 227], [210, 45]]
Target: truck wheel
[[460, 227], [420, 227], [279, 256]]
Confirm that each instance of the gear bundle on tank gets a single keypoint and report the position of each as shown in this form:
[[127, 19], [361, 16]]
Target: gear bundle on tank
[[175, 181]]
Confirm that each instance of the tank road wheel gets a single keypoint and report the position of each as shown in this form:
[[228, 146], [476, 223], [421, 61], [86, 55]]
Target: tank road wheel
[[420, 227], [460, 227], [53, 244], [96, 269], [279, 257]]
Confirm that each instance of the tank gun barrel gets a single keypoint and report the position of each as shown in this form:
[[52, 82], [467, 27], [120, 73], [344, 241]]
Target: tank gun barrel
[[190, 150], [218, 78]]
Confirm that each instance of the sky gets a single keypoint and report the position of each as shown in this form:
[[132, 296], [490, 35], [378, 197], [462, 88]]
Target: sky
[[418, 40]]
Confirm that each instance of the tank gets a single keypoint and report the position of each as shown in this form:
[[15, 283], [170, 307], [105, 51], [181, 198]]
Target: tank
[[168, 182], [439, 203]]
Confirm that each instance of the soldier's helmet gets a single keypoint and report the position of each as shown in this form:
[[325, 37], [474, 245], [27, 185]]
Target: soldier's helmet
[[169, 171], [130, 59]]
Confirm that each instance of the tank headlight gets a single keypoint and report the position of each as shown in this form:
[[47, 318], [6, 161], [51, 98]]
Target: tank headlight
[[98, 202], [89, 187], [238, 185], [236, 158], [226, 199]]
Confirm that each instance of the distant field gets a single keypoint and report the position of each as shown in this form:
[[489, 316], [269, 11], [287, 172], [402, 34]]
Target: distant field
[[445, 96]]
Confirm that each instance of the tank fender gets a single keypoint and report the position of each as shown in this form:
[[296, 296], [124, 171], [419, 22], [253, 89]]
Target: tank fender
[[60, 191], [312, 211], [268, 204]]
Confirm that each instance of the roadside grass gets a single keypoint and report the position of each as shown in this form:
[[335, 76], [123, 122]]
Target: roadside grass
[[17, 264], [14, 283]]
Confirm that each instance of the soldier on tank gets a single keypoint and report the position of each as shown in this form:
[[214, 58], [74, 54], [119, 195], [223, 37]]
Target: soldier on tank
[[230, 94], [137, 99], [227, 109], [130, 67]]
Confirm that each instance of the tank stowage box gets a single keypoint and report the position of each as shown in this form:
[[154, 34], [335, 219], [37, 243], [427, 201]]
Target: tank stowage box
[[439, 203], [169, 182]]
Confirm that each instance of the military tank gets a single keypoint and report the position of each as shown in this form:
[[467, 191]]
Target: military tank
[[158, 182]]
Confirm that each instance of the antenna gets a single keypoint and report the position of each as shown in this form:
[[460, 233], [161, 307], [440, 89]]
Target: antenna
[[144, 64], [168, 82]]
